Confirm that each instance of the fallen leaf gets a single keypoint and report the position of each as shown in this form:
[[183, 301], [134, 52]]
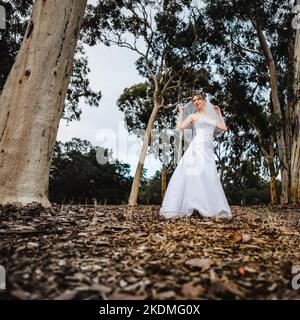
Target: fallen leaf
[[190, 291], [20, 294], [237, 237], [166, 295], [246, 238], [273, 287], [250, 270], [223, 287], [203, 264], [158, 238], [242, 270]]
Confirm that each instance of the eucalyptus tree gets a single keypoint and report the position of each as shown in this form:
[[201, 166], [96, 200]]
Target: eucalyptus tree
[[32, 100], [136, 102], [255, 38], [295, 118]]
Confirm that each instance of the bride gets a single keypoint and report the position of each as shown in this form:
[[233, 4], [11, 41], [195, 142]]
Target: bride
[[195, 184]]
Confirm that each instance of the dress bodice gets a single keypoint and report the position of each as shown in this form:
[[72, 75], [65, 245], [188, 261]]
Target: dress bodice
[[204, 130]]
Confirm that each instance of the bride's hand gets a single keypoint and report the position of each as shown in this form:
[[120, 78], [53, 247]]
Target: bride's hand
[[217, 110], [181, 109]]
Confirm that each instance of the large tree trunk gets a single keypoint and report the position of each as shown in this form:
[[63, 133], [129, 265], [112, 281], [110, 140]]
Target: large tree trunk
[[138, 173], [33, 97], [295, 119], [283, 155]]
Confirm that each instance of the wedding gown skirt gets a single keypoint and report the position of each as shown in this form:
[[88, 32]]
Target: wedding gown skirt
[[195, 184]]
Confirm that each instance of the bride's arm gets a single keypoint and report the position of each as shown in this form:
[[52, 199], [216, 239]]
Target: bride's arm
[[221, 125], [183, 124]]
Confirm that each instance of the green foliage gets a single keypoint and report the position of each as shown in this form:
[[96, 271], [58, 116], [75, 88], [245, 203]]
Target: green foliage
[[241, 56], [162, 33], [17, 14], [77, 177], [242, 68], [136, 103], [251, 196], [150, 190]]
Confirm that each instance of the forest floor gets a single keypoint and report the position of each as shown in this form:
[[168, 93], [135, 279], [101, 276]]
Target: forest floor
[[120, 252]]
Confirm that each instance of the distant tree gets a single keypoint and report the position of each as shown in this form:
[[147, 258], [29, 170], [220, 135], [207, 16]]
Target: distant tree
[[77, 177], [136, 103], [254, 38], [233, 148], [150, 192]]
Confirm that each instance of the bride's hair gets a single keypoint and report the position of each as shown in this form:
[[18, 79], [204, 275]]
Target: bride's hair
[[199, 94]]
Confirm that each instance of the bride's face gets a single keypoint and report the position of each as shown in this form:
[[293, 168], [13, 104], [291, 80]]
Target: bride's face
[[198, 103]]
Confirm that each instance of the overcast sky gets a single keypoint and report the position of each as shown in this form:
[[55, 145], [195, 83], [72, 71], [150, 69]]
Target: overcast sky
[[112, 70]]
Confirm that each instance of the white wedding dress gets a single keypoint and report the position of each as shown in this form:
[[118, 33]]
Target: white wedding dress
[[195, 184]]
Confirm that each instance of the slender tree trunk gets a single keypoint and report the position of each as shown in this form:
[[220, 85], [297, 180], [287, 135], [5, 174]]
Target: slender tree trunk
[[273, 173], [33, 98], [295, 120], [269, 156], [138, 173], [288, 113], [273, 191], [283, 155], [163, 180]]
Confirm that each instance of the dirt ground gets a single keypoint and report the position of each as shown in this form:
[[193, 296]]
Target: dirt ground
[[119, 252]]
